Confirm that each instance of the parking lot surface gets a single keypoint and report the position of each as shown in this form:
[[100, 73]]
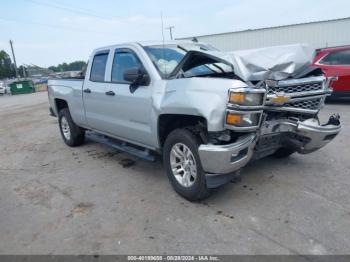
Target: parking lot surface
[[86, 200]]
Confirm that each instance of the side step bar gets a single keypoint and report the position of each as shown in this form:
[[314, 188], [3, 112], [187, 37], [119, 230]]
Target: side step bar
[[144, 154]]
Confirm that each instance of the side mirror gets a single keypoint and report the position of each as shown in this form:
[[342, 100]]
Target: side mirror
[[137, 77]]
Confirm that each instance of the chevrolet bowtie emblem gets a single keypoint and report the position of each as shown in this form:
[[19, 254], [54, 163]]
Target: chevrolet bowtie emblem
[[280, 99]]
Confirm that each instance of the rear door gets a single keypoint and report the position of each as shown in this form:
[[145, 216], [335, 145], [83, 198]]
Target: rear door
[[337, 63], [94, 92]]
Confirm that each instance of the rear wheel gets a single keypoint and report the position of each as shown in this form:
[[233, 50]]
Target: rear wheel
[[283, 152], [72, 134], [183, 166]]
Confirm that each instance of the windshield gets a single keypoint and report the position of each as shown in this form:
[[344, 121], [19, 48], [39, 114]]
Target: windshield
[[167, 57]]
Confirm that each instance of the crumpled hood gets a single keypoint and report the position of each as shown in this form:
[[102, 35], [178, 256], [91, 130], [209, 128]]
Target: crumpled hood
[[273, 63]]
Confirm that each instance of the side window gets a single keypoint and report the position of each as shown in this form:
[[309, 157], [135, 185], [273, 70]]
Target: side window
[[337, 58], [99, 67], [123, 60]]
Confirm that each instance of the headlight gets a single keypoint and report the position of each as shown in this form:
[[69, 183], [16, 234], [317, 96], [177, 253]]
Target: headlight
[[243, 119], [244, 109], [246, 99]]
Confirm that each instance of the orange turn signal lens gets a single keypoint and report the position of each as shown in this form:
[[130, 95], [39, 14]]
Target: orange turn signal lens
[[237, 98], [233, 119]]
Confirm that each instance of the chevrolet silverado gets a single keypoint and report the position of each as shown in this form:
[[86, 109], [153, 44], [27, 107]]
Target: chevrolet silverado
[[207, 113]]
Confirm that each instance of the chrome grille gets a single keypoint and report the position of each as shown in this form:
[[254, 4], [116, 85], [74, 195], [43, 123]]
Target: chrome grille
[[316, 86], [305, 95], [312, 104]]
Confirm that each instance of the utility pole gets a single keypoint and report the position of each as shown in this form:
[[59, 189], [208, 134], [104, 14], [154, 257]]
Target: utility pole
[[24, 72], [14, 58], [170, 28]]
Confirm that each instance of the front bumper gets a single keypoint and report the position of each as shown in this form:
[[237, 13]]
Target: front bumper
[[223, 159], [304, 136], [317, 135]]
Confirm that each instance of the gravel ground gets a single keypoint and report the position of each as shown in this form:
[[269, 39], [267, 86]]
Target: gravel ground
[[60, 200]]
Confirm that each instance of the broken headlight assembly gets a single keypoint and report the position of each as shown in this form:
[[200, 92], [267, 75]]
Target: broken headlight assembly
[[244, 108]]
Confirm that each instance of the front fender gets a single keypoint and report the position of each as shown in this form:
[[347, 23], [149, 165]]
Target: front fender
[[205, 97]]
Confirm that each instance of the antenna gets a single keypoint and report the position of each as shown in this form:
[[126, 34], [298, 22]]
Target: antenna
[[161, 18]]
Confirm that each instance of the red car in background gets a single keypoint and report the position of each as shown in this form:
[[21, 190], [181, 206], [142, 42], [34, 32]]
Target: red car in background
[[336, 62]]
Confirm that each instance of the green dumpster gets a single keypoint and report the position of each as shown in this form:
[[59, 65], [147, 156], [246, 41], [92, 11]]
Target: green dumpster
[[22, 87]]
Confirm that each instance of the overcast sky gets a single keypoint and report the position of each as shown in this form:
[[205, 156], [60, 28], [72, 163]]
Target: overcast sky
[[50, 32]]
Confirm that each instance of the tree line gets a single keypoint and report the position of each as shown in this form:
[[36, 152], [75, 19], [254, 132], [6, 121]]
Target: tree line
[[7, 68], [74, 66]]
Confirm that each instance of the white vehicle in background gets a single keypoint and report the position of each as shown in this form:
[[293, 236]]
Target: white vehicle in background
[[3, 89]]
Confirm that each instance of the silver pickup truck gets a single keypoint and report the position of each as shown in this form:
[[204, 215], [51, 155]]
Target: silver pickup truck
[[186, 102]]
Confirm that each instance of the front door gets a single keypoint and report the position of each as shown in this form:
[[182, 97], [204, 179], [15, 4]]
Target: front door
[[128, 114]]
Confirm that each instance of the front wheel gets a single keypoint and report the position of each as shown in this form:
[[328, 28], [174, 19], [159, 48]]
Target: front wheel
[[183, 166], [72, 134]]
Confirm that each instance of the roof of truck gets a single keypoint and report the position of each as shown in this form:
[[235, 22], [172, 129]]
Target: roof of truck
[[169, 42], [149, 43]]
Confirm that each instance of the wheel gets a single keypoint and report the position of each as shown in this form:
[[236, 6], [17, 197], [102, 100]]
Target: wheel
[[283, 152], [183, 166], [72, 134]]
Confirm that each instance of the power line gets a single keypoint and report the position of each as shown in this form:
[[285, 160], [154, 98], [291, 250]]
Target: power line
[[72, 10], [54, 26], [83, 9]]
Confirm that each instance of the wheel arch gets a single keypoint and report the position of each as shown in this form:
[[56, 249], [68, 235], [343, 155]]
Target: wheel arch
[[169, 122], [60, 104]]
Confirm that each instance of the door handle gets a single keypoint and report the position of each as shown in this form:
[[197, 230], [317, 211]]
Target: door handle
[[110, 93], [87, 90]]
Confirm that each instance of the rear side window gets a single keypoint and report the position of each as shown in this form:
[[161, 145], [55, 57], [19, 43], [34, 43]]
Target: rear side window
[[337, 58], [98, 68], [123, 60]]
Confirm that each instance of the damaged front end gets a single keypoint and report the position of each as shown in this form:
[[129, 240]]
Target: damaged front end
[[265, 121], [273, 122], [276, 107], [291, 116], [279, 112]]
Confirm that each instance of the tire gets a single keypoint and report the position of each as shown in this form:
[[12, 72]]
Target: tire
[[193, 188], [72, 134], [283, 152]]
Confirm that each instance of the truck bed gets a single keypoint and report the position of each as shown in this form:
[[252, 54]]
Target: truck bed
[[74, 83], [70, 91]]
